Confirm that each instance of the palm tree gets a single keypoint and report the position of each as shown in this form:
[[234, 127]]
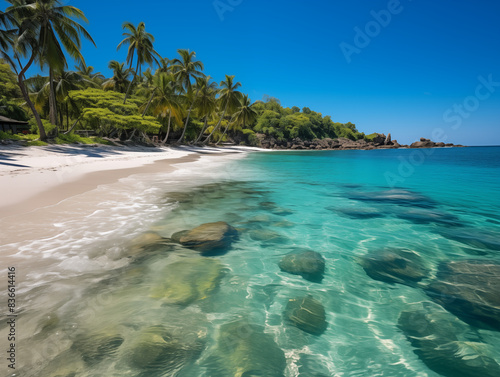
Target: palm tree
[[139, 43], [184, 70], [206, 102], [54, 26], [20, 41], [88, 73], [245, 114], [229, 98], [119, 81], [165, 102]]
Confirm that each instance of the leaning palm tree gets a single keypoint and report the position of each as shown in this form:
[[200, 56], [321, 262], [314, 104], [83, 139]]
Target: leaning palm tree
[[55, 28], [140, 43], [228, 99], [184, 70], [119, 82]]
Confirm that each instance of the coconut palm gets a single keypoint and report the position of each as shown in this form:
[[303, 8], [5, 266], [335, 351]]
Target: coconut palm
[[185, 69], [56, 30], [228, 100], [206, 102], [88, 73], [246, 114], [140, 43], [166, 102], [119, 82]]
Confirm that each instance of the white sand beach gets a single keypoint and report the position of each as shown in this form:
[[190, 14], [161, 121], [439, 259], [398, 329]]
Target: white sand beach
[[35, 177]]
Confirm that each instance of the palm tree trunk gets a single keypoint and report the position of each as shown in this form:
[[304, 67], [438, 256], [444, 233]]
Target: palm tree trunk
[[202, 130], [168, 128], [189, 114], [52, 101], [131, 82], [149, 103], [227, 127], [73, 126], [218, 124], [24, 91]]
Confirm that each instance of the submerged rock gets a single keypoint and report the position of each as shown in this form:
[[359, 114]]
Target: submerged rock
[[147, 242], [308, 264], [358, 213], [307, 314], [244, 350], [470, 290], [395, 196], [428, 216], [156, 350], [189, 280], [474, 237], [208, 238], [433, 336], [96, 347], [265, 235], [394, 266]]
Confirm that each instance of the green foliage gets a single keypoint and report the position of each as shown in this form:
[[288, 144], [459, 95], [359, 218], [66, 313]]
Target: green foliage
[[250, 138], [104, 111], [10, 94], [7, 136], [49, 127], [371, 137]]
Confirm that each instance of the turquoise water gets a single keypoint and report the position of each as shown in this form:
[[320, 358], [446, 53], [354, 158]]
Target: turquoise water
[[440, 205]]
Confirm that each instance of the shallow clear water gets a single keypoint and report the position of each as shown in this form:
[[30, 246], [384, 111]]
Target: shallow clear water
[[101, 294]]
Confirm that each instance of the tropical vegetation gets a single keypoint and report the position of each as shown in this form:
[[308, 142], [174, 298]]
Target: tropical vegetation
[[173, 100]]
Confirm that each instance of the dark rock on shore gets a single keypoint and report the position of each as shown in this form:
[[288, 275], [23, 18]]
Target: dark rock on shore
[[379, 141], [208, 239], [394, 266], [433, 334], [470, 290], [307, 314], [308, 264]]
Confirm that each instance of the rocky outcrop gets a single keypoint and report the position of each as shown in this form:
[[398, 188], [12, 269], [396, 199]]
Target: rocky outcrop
[[208, 239], [307, 314], [308, 264], [379, 141], [469, 289]]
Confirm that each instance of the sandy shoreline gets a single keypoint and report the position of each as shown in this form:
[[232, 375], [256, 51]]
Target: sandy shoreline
[[36, 177]]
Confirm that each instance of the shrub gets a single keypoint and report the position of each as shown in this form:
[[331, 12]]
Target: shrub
[[7, 136]]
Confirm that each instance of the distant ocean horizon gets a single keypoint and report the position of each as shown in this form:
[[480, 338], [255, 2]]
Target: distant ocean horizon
[[390, 225]]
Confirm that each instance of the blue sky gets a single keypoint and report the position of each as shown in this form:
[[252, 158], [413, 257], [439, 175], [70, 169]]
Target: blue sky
[[414, 73]]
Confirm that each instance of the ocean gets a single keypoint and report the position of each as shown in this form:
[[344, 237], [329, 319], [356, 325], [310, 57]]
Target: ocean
[[399, 276]]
